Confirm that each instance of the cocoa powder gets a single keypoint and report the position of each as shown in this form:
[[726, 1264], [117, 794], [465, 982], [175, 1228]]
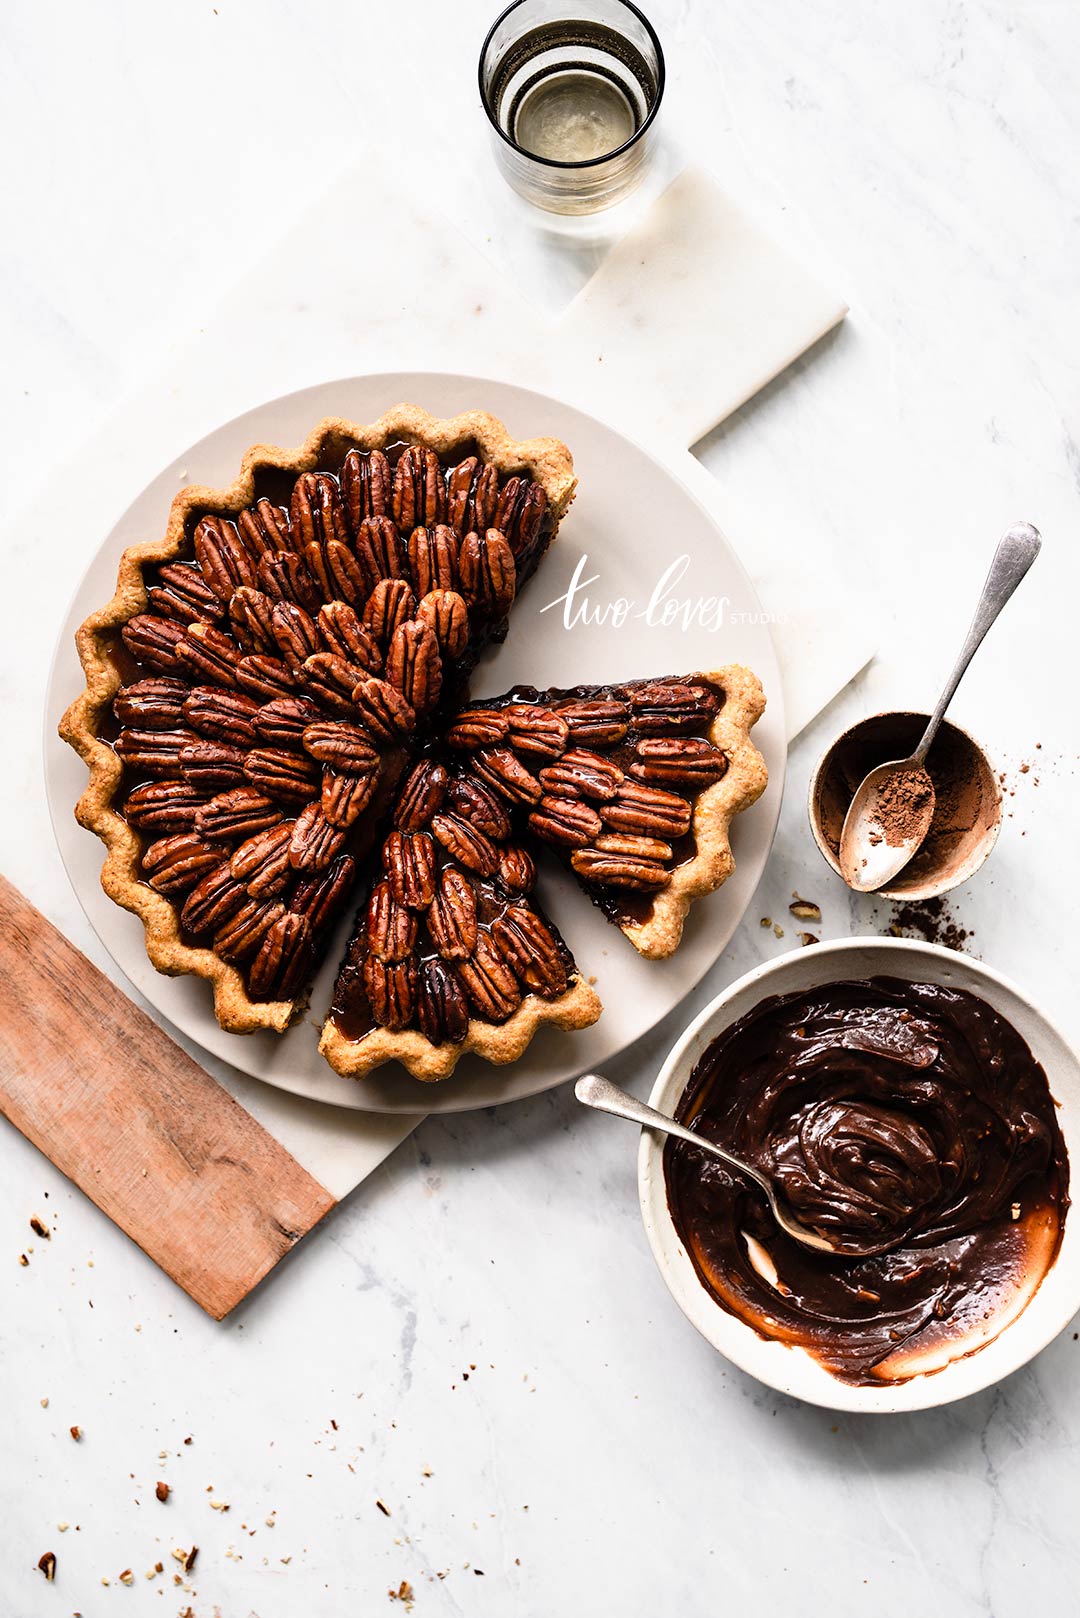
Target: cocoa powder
[[902, 803]]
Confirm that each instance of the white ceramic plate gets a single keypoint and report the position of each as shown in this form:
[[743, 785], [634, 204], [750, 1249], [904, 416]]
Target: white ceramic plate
[[631, 519], [792, 1370]]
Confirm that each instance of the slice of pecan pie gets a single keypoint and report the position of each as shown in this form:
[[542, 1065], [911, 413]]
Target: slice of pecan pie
[[633, 786], [261, 679]]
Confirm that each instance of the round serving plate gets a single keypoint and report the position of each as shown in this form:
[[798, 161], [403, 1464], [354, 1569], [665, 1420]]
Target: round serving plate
[[630, 524], [791, 1369]]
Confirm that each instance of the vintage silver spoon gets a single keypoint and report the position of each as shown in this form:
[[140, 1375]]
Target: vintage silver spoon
[[596, 1091], [869, 855]]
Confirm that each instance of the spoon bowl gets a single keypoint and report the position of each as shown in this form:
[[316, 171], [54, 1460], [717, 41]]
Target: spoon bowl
[[886, 824]]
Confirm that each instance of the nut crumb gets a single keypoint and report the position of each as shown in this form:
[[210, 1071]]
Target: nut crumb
[[76, 1432], [383, 1507], [47, 1564], [44, 1403], [62, 1527], [809, 938], [1015, 1210], [805, 910], [127, 1576], [162, 1491], [23, 1260], [219, 1505], [778, 930], [766, 921], [40, 1228]]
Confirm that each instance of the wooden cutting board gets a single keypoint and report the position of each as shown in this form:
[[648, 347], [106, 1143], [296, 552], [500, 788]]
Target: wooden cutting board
[[150, 1137]]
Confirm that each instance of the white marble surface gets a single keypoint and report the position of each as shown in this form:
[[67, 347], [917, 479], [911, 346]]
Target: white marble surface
[[923, 160]]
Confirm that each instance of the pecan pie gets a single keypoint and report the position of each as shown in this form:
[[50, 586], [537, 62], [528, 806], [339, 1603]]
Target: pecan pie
[[259, 681], [277, 724]]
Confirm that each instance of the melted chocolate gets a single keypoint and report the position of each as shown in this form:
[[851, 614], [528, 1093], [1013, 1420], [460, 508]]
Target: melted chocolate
[[909, 1120]]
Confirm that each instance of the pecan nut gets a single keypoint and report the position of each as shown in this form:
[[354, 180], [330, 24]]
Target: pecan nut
[[446, 615], [478, 727], [648, 811], [153, 752], [535, 730], [609, 869], [378, 551], [281, 774], [390, 604], [451, 920], [489, 982], [467, 844], [331, 681], [175, 864], [264, 528], [532, 950], [282, 723], [315, 842], [443, 1009], [667, 706], [294, 633], [320, 898], [262, 862], [250, 613], [504, 771], [478, 805], [391, 929], [316, 514], [433, 559], [211, 655], [391, 991], [164, 808], [222, 716], [345, 797], [567, 822], [414, 666], [345, 580], [421, 796], [156, 704], [581, 774], [153, 640], [601, 722], [342, 633], [409, 862], [419, 489], [241, 937], [488, 574], [210, 905], [520, 513], [284, 960], [345, 746], [688, 761], [366, 486], [382, 710], [223, 557], [472, 496], [265, 678], [517, 869], [285, 576], [212, 766], [182, 593], [237, 814]]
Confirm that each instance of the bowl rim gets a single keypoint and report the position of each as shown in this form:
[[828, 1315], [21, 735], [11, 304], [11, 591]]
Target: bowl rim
[[791, 1370], [930, 889]]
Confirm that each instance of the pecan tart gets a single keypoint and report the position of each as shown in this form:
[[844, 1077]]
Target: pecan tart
[[632, 786], [256, 685]]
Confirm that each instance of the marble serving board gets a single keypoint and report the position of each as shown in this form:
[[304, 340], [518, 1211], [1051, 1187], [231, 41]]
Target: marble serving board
[[689, 315]]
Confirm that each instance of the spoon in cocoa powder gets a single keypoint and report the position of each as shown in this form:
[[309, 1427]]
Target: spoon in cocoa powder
[[893, 806]]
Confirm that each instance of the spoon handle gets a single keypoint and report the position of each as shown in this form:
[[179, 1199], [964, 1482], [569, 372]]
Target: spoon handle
[[1016, 551], [596, 1091]]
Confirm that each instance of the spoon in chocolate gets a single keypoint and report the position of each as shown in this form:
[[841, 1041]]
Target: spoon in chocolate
[[595, 1091], [890, 814]]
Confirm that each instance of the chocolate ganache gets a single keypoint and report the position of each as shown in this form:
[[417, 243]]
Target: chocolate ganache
[[910, 1122]]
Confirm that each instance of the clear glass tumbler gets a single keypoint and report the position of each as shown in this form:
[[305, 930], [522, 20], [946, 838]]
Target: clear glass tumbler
[[572, 89]]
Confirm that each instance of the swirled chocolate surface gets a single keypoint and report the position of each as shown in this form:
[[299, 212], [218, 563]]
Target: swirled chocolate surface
[[907, 1119]]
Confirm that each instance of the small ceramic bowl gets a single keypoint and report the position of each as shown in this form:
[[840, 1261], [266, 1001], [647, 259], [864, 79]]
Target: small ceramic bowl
[[967, 818], [792, 1370]]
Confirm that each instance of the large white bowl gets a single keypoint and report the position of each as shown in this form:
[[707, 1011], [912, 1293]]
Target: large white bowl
[[792, 1370]]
